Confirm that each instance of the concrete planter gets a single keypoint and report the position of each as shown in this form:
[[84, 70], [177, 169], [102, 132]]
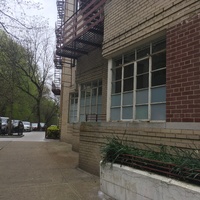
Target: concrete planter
[[125, 183]]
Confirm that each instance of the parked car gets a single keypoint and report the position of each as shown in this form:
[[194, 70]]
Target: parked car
[[34, 126], [17, 127], [4, 124], [27, 126]]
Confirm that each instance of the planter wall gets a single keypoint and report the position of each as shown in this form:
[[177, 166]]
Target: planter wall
[[125, 183]]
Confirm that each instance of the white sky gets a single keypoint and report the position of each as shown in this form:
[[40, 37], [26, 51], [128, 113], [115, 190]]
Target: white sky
[[49, 11]]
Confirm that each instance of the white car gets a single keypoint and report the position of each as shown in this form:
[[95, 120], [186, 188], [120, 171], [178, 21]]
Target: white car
[[27, 126]]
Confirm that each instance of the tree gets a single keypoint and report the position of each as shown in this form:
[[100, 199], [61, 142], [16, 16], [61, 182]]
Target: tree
[[13, 18], [35, 65]]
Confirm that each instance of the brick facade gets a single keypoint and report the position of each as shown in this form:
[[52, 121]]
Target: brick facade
[[129, 22], [93, 136], [127, 25], [183, 71]]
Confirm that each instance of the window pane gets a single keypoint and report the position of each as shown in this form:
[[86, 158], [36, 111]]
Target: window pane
[[117, 61], [93, 100], [159, 77], [142, 97], [82, 94], [82, 102], [141, 112], [128, 84], [115, 114], [129, 57], [127, 113], [158, 112], [128, 71], [94, 84], [159, 45], [87, 109], [99, 109], [128, 98], [82, 118], [159, 61], [100, 91], [117, 74], [116, 87], [143, 52], [142, 81], [88, 101], [99, 99], [143, 66], [82, 110], [94, 110], [158, 94], [116, 100]]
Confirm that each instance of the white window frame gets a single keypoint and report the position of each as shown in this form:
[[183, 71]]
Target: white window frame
[[149, 88]]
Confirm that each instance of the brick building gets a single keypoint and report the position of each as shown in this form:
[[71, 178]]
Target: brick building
[[126, 66]]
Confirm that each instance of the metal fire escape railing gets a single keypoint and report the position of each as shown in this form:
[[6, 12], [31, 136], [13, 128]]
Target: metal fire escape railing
[[56, 84], [83, 31]]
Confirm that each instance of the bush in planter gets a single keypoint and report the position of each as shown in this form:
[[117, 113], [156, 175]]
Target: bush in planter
[[52, 132], [174, 162]]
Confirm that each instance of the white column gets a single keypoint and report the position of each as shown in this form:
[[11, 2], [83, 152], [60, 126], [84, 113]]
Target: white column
[[109, 88]]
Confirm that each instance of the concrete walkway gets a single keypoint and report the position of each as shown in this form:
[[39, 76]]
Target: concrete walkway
[[43, 171]]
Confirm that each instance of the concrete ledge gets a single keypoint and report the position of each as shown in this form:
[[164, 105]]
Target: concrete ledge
[[125, 183]]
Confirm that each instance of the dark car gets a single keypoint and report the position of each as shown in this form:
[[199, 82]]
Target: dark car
[[4, 125], [17, 127]]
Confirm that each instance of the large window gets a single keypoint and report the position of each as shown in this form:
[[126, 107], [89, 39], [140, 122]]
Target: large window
[[138, 83], [91, 99]]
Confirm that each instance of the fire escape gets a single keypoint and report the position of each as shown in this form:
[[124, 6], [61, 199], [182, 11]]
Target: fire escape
[[83, 31], [56, 84]]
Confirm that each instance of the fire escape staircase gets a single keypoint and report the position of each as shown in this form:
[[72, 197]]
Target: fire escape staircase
[[83, 31], [56, 84]]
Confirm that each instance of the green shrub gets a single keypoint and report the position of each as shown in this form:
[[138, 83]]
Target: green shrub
[[179, 163], [52, 132]]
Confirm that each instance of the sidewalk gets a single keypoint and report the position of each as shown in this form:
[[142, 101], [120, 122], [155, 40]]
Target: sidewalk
[[43, 171]]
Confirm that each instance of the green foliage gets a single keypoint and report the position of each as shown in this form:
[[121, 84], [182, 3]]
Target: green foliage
[[23, 91], [52, 132], [183, 162]]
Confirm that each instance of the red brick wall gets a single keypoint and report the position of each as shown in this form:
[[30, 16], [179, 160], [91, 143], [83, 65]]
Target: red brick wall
[[183, 71]]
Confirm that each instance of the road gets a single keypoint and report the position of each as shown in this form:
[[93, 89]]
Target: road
[[34, 136]]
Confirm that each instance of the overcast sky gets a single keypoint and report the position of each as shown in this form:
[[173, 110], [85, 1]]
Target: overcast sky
[[49, 11]]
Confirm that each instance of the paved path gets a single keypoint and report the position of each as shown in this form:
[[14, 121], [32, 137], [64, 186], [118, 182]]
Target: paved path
[[39, 169]]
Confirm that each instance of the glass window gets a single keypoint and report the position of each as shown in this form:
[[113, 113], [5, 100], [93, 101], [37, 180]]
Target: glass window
[[159, 61], [128, 71], [73, 107], [117, 62], [117, 74], [143, 52], [138, 85], [158, 77], [141, 112], [115, 113], [116, 87], [116, 100], [127, 112], [128, 84], [91, 99], [127, 98], [158, 45], [129, 57]]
